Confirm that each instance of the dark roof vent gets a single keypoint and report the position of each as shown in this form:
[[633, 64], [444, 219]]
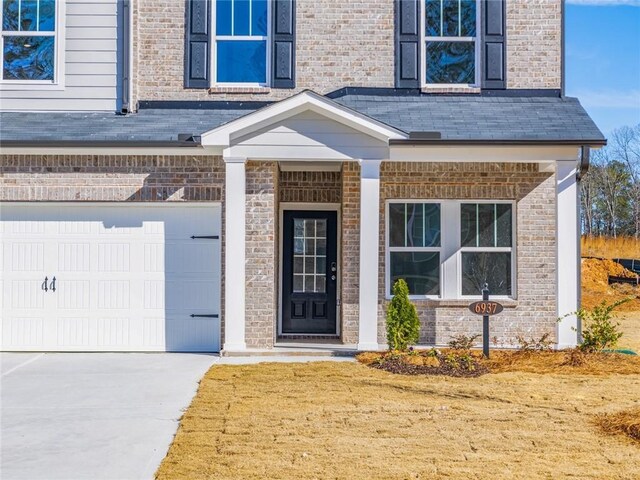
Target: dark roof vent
[[425, 135]]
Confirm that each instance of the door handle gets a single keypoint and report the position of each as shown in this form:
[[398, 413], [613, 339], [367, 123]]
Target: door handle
[[52, 286], [44, 284]]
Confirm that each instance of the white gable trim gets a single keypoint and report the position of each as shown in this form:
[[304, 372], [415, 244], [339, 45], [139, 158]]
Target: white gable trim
[[224, 135]]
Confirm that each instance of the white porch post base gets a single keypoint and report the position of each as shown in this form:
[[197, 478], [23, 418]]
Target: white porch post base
[[567, 253], [234, 267], [369, 234]]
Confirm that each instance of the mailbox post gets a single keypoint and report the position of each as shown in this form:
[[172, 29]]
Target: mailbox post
[[485, 307], [485, 323]]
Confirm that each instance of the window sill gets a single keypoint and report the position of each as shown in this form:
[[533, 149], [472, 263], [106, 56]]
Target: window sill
[[249, 90], [30, 87], [450, 89], [456, 303]]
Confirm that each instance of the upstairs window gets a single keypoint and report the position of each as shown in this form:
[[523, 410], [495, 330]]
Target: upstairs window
[[241, 48], [450, 49], [29, 40]]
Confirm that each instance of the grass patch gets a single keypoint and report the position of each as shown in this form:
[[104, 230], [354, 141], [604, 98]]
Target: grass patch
[[348, 421], [609, 247], [626, 422]]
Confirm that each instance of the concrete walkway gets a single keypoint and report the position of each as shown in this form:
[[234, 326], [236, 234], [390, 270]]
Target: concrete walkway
[[92, 416]]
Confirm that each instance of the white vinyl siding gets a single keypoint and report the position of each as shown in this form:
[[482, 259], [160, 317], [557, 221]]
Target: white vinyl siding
[[91, 55]]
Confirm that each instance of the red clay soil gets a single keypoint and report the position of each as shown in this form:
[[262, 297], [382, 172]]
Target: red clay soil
[[596, 288]]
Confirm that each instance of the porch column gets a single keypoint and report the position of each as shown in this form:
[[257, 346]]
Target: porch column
[[369, 237], [567, 255], [234, 257]]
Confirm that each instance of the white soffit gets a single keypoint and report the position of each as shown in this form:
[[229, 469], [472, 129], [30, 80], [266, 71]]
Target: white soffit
[[483, 153], [302, 102]]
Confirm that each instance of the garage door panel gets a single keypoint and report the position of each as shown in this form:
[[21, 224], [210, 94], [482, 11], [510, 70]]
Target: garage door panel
[[25, 295], [128, 277], [73, 294], [74, 332], [114, 294], [74, 257], [192, 296], [27, 257], [191, 334], [23, 332], [193, 257]]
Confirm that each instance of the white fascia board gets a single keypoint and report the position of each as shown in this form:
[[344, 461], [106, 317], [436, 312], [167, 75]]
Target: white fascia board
[[483, 153], [302, 102], [191, 151]]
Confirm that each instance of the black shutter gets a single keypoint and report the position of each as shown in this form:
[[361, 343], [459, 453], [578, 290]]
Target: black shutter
[[197, 51], [493, 44], [407, 38], [283, 44]]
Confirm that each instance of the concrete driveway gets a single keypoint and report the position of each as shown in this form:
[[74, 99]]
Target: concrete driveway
[[92, 415]]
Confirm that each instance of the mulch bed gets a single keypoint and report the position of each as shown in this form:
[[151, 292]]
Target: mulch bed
[[399, 365]]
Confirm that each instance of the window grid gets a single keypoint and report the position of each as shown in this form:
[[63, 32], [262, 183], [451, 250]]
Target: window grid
[[447, 38], [451, 248], [247, 38], [19, 32], [317, 274], [410, 248], [486, 249]]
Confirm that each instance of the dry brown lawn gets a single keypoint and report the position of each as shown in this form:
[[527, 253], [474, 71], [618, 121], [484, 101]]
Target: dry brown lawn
[[608, 247], [348, 421], [630, 326]]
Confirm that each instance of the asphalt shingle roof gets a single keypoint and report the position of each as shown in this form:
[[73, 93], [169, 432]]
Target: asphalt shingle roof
[[455, 117]]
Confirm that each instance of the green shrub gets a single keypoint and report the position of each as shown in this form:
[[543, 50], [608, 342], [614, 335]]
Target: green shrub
[[599, 331], [403, 325]]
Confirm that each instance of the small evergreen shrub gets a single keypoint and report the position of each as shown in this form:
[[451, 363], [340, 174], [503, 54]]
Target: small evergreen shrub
[[599, 330], [403, 325]]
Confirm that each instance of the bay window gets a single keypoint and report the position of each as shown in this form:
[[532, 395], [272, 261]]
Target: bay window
[[449, 249], [241, 42], [29, 43]]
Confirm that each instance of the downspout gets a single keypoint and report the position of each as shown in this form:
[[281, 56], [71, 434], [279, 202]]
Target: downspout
[[583, 168], [126, 57]]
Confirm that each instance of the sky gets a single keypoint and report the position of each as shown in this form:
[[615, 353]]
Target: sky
[[603, 59]]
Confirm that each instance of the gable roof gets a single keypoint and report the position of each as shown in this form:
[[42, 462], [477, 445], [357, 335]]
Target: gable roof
[[306, 101], [468, 118]]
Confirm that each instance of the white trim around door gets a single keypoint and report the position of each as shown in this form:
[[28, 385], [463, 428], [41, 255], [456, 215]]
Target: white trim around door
[[322, 207]]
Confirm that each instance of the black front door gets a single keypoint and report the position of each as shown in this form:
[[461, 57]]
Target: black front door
[[309, 272]]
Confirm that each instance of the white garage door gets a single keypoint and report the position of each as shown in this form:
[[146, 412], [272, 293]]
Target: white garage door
[[110, 277]]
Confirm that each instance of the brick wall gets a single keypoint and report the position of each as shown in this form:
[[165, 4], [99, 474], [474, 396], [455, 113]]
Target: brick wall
[[115, 178], [310, 187], [534, 43], [534, 312], [350, 251], [261, 254], [338, 44]]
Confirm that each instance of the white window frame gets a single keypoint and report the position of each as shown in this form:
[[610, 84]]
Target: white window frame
[[423, 49], [451, 250], [214, 47], [510, 249], [59, 58], [389, 249]]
